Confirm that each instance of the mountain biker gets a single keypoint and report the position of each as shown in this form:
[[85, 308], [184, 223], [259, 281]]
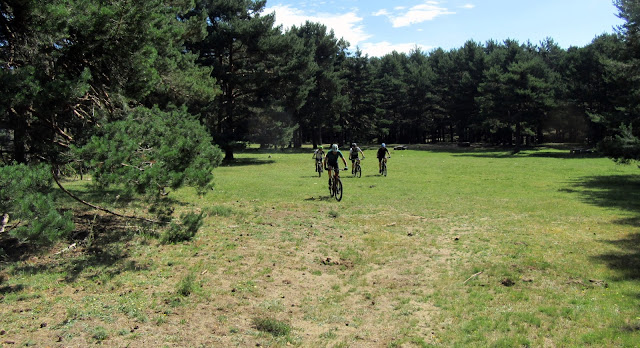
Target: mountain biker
[[382, 151], [318, 154], [353, 156], [331, 161]]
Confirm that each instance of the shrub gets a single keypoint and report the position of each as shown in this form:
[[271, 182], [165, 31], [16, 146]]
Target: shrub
[[185, 231], [26, 197], [272, 326], [220, 210], [187, 285], [100, 333]]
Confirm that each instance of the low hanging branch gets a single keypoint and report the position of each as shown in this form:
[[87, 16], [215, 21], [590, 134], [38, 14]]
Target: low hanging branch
[[55, 178]]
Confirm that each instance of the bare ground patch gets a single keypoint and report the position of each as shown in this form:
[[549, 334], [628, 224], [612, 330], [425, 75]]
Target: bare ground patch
[[364, 288]]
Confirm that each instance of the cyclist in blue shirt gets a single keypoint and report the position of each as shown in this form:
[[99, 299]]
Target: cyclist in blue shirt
[[382, 152]]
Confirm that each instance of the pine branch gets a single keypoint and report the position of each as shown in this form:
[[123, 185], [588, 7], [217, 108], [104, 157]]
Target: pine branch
[[56, 179]]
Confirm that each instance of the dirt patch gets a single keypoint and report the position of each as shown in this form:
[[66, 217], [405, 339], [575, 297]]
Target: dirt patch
[[330, 286]]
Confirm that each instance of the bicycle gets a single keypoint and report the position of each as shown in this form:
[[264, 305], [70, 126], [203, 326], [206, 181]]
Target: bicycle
[[319, 168], [384, 166], [357, 169], [335, 185]]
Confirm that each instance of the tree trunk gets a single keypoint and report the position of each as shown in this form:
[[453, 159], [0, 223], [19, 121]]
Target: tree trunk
[[317, 135], [228, 153], [518, 135], [297, 138], [19, 149], [539, 136]]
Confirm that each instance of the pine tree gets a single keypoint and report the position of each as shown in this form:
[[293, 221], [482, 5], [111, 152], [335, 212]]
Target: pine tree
[[242, 47], [364, 95], [72, 70], [325, 104]]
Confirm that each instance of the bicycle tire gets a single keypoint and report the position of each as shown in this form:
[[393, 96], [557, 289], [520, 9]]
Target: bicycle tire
[[331, 191], [319, 169], [358, 171], [384, 169], [338, 188]]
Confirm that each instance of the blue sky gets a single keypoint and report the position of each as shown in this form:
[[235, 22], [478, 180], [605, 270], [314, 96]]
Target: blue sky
[[378, 27]]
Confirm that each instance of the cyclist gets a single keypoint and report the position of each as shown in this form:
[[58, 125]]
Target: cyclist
[[382, 151], [331, 161], [353, 156], [318, 154]]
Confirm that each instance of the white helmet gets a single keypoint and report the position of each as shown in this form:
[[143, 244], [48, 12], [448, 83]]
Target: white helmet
[[384, 145], [334, 147]]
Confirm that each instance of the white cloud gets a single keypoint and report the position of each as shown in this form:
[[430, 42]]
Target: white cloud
[[381, 13], [468, 6], [345, 25], [427, 11], [380, 49]]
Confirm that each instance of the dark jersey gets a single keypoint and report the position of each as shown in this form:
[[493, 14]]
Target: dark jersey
[[332, 158], [382, 151]]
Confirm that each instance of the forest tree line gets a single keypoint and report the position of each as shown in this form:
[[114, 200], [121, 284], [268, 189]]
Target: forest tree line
[[151, 95]]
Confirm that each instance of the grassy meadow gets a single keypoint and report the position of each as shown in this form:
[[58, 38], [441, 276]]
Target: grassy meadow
[[465, 247]]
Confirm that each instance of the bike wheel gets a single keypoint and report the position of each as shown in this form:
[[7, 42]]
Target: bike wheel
[[338, 188], [358, 171], [331, 192], [319, 170], [384, 169]]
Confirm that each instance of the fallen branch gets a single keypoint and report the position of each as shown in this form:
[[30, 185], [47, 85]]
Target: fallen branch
[[55, 178], [473, 276], [70, 247]]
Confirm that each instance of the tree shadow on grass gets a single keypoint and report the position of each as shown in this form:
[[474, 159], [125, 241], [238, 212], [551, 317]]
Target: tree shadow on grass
[[106, 245], [622, 192], [626, 260], [11, 288], [619, 191], [319, 198], [530, 153], [250, 161], [509, 152], [109, 198], [286, 150], [99, 249]]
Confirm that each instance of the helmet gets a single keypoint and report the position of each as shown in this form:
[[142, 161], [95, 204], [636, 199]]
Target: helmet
[[384, 145], [320, 147], [334, 147], [354, 144]]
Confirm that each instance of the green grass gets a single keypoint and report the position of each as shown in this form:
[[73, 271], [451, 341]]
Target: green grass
[[272, 326], [552, 241]]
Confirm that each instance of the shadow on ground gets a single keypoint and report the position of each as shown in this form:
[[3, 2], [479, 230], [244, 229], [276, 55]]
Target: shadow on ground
[[320, 198], [622, 192], [619, 191], [109, 198], [508, 152], [250, 161], [626, 260], [98, 249]]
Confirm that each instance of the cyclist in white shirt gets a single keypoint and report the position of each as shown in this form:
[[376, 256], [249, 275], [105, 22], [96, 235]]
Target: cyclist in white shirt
[[353, 155]]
